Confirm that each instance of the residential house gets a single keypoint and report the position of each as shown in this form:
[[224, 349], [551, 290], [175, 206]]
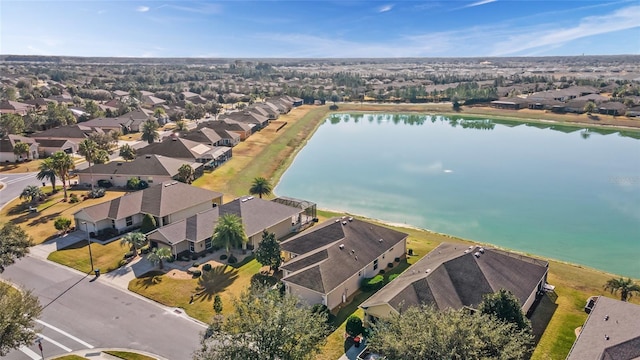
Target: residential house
[[46, 147], [457, 276], [152, 102], [73, 133], [190, 236], [7, 144], [189, 151], [14, 107], [253, 119], [611, 332], [106, 124], [226, 129], [329, 261], [258, 215], [634, 111], [64, 98], [204, 135], [612, 108], [167, 202], [510, 103], [151, 168]]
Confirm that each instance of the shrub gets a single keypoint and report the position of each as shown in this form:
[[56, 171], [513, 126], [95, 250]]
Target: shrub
[[206, 267], [321, 309], [104, 183], [391, 277], [232, 260], [73, 198], [145, 249], [381, 272], [223, 257], [194, 256], [148, 223], [96, 193], [410, 252], [196, 264], [260, 280], [354, 326], [333, 107], [373, 283], [129, 254], [196, 273], [122, 263], [390, 265], [396, 259], [62, 224]]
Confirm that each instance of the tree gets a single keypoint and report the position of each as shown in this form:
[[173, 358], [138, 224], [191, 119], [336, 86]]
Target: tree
[[185, 174], [268, 252], [158, 255], [217, 304], [354, 326], [504, 306], [148, 223], [266, 325], [14, 245], [63, 163], [46, 170], [626, 287], [62, 224], [590, 107], [135, 240], [127, 152], [92, 108], [20, 149], [229, 232], [89, 149], [150, 131], [18, 312], [260, 186], [31, 193], [159, 113], [11, 124], [104, 141], [428, 333], [181, 125]]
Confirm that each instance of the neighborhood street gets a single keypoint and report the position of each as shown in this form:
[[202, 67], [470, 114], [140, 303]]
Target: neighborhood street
[[81, 314], [13, 185]]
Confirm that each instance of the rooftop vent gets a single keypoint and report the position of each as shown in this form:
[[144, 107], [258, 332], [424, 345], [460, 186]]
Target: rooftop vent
[[147, 156], [481, 250], [337, 220], [174, 182], [350, 218], [341, 246], [250, 198], [428, 271], [476, 254], [353, 251], [119, 164], [380, 240], [466, 251], [344, 223]]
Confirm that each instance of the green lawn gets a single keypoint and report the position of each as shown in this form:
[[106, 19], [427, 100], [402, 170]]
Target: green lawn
[[105, 257], [129, 355], [70, 357]]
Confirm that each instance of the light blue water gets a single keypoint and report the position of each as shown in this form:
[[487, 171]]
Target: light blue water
[[540, 191]]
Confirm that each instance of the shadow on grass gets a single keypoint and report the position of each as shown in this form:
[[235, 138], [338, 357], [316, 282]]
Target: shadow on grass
[[542, 314], [44, 219], [245, 261], [214, 281], [77, 245], [151, 278]]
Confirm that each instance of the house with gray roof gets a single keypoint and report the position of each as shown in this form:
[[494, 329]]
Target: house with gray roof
[[259, 214], [7, 144], [327, 263], [189, 236], [73, 133], [255, 120], [14, 107], [188, 151], [46, 147], [167, 202], [230, 131], [456, 276], [151, 168], [611, 332]]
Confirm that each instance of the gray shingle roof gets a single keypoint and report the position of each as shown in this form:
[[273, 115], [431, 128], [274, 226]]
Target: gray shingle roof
[[196, 228], [616, 338], [258, 214], [177, 148], [334, 263], [455, 277], [147, 165]]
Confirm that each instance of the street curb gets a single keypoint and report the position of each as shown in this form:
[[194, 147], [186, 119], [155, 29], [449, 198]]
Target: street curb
[[99, 354]]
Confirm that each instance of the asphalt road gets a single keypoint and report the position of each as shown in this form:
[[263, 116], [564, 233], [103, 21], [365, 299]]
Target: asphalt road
[[83, 314], [13, 185]]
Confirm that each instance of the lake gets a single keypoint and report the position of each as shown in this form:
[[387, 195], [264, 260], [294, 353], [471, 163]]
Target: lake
[[565, 193]]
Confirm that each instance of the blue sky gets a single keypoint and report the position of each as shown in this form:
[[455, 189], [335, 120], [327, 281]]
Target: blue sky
[[319, 29]]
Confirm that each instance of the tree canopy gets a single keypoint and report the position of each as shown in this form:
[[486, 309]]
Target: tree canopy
[[62, 164], [14, 244], [268, 252], [185, 174], [134, 239], [626, 287], [428, 333], [150, 131], [229, 232], [127, 152], [46, 170], [505, 306], [266, 325], [18, 312], [260, 186]]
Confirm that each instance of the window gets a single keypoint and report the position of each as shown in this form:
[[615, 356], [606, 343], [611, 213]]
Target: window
[[375, 264], [208, 244], [113, 223], [129, 220], [192, 246]]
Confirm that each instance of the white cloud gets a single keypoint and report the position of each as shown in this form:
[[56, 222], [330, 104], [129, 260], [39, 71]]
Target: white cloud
[[478, 3], [385, 8], [622, 19], [142, 9]]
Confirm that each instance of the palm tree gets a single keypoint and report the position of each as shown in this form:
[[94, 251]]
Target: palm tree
[[150, 131], [46, 170], [158, 255], [626, 287], [229, 232], [260, 186], [89, 149], [185, 174], [31, 193], [127, 152], [590, 107], [181, 125], [20, 149], [135, 240], [62, 163]]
